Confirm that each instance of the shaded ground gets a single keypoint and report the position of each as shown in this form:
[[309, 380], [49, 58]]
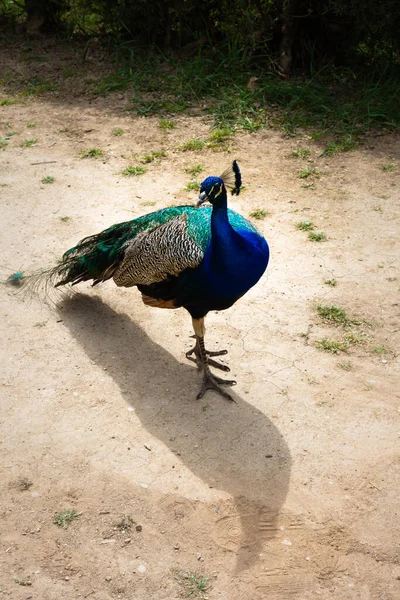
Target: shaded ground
[[293, 491]]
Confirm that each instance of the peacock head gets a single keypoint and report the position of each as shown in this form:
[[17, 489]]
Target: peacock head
[[213, 189]]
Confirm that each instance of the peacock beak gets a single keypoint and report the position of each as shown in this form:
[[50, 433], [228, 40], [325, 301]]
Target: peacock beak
[[202, 198]]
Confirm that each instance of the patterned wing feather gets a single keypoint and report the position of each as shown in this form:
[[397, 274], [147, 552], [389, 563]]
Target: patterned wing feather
[[158, 254]]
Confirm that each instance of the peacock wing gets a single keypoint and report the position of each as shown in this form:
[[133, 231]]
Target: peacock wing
[[159, 253]]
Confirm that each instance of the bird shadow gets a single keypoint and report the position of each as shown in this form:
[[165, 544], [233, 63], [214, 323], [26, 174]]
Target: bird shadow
[[231, 447]]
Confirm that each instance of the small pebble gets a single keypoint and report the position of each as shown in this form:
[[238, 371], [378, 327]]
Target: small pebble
[[131, 409], [142, 569], [384, 361], [176, 547], [35, 494], [66, 578], [108, 578], [143, 485], [139, 528], [287, 542]]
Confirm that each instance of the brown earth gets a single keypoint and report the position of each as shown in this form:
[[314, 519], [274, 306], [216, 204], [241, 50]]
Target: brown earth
[[292, 492]]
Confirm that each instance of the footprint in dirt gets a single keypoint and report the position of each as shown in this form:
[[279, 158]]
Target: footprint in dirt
[[231, 447]]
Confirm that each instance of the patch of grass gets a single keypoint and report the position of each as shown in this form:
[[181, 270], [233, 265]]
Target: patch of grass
[[195, 585], [148, 203], [195, 170], [36, 86], [192, 186], [380, 350], [64, 518], [344, 144], [133, 171], [48, 179], [356, 338], [166, 124], [7, 102], [317, 237], [346, 365], [301, 153], [23, 582], [154, 155], [377, 208], [331, 282], [305, 225], [193, 146], [91, 153], [332, 314], [3, 142], [118, 131], [308, 172], [332, 346], [259, 214], [28, 143], [31, 125], [65, 219], [125, 524], [24, 484], [388, 167]]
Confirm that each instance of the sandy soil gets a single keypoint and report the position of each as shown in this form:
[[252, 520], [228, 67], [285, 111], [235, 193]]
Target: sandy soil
[[292, 492]]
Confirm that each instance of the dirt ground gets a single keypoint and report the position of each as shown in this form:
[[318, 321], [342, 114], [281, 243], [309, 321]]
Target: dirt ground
[[292, 492]]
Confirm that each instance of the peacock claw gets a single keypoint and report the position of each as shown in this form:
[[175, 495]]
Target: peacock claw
[[211, 382], [210, 361]]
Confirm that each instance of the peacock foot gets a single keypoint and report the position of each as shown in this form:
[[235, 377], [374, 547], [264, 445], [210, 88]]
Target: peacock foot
[[212, 382], [197, 358]]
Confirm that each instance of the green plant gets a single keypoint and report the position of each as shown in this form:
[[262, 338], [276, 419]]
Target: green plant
[[91, 153], [64, 518], [195, 170], [344, 144], [308, 172], [192, 186], [331, 282], [346, 365], [332, 346], [48, 179], [118, 131], [65, 219], [24, 484], [388, 167], [28, 143], [305, 225], [133, 170], [193, 146], [7, 102], [166, 124], [195, 585], [154, 155], [259, 214], [332, 314], [317, 237], [3, 142], [301, 153], [380, 350], [31, 125]]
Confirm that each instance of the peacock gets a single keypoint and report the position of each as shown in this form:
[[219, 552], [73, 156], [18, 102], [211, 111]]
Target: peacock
[[199, 257]]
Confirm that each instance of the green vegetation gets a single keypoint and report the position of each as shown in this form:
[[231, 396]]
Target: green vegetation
[[154, 155], [317, 237], [193, 146], [166, 124], [28, 143], [331, 282], [31, 125], [195, 170], [332, 314], [118, 131], [65, 219], [48, 179], [192, 186], [305, 225], [308, 172], [388, 167], [64, 518], [380, 350], [133, 171], [259, 214], [92, 153], [332, 346], [194, 585], [24, 484], [346, 365], [7, 102], [301, 153]]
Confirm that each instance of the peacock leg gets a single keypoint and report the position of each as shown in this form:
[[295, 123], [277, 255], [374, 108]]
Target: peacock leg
[[210, 381], [197, 357]]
